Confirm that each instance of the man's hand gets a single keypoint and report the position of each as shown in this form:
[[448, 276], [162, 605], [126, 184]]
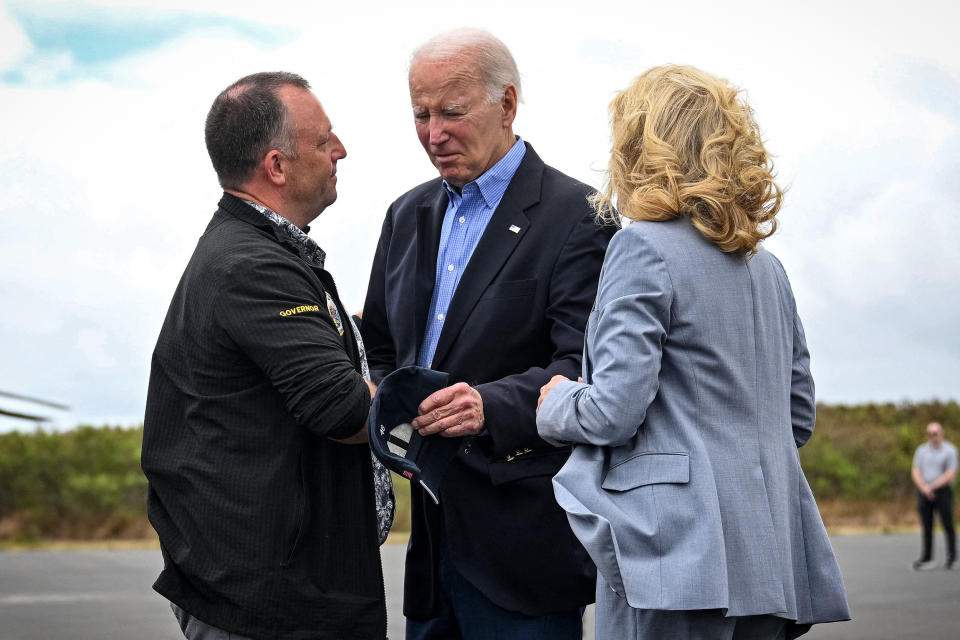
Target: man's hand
[[452, 411], [545, 389], [922, 486]]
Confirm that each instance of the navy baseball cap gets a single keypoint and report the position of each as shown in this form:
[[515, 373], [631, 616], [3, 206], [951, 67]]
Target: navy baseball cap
[[396, 443]]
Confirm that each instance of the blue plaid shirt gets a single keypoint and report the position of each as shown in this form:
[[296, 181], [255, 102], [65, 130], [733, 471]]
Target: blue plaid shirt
[[464, 222]]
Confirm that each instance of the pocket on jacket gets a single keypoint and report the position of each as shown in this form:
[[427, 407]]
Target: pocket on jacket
[[528, 466], [510, 289], [301, 516], [648, 468]]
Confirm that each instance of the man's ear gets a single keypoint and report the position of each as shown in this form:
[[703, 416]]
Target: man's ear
[[274, 167], [508, 105]]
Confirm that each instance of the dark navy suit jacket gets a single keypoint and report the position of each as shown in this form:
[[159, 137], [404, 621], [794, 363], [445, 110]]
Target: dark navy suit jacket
[[516, 319]]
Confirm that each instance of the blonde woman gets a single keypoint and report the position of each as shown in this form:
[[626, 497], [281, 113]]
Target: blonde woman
[[685, 485]]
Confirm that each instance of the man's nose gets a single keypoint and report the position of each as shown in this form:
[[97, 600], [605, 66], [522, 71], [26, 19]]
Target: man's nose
[[339, 150], [438, 131]]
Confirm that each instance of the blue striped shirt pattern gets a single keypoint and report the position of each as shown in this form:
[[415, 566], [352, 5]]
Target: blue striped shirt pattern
[[464, 222]]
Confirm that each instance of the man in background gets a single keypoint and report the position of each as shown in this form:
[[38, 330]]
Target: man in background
[[486, 273], [934, 472], [260, 481]]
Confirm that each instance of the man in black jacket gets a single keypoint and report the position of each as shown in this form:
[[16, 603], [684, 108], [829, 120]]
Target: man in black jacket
[[487, 273], [260, 484]]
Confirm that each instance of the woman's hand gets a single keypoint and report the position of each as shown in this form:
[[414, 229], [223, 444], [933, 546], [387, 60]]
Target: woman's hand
[[545, 389]]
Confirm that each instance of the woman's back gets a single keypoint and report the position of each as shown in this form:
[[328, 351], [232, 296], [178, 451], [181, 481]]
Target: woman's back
[[699, 382], [685, 485]]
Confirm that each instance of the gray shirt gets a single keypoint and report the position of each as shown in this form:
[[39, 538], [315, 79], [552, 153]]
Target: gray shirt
[[933, 462]]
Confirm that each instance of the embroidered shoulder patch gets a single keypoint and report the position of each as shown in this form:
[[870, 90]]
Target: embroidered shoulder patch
[[334, 313], [301, 309]]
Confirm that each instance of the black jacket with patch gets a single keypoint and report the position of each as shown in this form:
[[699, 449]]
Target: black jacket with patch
[[267, 526]]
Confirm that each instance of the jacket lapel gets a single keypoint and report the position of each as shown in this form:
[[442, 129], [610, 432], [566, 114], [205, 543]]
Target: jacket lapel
[[429, 226], [495, 246]]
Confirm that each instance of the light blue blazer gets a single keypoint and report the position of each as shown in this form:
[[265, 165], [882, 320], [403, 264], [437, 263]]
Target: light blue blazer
[[685, 486]]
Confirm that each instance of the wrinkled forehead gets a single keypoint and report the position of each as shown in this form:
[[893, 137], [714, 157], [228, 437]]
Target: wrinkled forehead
[[442, 76]]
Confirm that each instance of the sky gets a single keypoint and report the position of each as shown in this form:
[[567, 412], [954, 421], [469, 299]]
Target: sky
[[105, 184]]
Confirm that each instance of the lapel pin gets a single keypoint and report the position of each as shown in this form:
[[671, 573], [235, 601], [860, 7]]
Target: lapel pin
[[514, 228]]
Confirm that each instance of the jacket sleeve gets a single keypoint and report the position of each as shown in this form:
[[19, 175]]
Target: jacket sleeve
[[509, 404], [803, 406], [381, 354], [632, 319], [275, 312]]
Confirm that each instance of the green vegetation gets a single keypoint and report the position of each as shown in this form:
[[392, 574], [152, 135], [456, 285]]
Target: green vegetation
[[87, 483], [79, 484]]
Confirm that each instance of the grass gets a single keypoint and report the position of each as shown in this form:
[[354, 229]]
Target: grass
[[80, 545], [395, 537], [842, 518]]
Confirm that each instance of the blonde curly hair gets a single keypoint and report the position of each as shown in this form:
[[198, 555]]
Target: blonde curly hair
[[685, 144]]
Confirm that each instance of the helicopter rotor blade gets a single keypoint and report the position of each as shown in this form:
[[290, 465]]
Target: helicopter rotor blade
[[23, 416], [46, 403]]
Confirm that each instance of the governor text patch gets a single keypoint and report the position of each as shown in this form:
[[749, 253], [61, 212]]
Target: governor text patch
[[300, 309]]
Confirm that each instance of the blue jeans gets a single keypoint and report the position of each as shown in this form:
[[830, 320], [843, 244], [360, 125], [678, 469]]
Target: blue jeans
[[465, 613]]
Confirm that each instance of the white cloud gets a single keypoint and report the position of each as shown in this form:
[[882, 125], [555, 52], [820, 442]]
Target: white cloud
[[13, 42]]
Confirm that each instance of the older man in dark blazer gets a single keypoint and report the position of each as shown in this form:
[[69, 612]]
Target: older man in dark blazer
[[486, 273]]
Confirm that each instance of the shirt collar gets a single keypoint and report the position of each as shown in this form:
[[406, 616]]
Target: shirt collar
[[493, 183], [304, 245]]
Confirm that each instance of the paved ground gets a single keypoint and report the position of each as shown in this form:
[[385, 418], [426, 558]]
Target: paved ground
[[887, 599], [106, 595]]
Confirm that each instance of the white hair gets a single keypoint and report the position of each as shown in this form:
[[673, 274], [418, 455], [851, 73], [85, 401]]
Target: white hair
[[493, 60]]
